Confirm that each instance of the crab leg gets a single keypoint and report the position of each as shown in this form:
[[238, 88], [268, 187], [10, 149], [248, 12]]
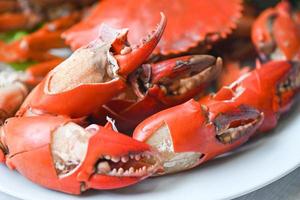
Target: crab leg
[[96, 70], [61, 155], [35, 46], [194, 132], [158, 86], [17, 21]]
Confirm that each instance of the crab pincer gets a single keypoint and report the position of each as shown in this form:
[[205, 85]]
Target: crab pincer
[[67, 157], [98, 70], [157, 86]]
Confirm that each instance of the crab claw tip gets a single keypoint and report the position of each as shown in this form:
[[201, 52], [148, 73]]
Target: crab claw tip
[[130, 60]]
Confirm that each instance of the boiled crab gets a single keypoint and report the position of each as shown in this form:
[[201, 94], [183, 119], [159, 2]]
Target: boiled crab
[[188, 23]]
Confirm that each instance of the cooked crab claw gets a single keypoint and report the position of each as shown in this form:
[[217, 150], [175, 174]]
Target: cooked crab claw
[[191, 133], [61, 155], [276, 33], [185, 136], [176, 80], [158, 86], [97, 70], [130, 58]]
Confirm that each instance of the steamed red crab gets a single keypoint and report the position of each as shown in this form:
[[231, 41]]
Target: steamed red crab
[[190, 22]]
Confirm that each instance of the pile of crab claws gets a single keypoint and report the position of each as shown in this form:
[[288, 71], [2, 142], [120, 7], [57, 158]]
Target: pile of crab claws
[[221, 122], [112, 160], [130, 58]]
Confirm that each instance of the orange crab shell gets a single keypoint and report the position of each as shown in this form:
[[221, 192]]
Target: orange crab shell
[[192, 21]]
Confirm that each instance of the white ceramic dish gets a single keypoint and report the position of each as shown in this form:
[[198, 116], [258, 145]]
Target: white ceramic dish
[[251, 167]]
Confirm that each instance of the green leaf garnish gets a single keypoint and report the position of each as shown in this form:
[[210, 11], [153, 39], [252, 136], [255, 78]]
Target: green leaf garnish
[[9, 37], [22, 66]]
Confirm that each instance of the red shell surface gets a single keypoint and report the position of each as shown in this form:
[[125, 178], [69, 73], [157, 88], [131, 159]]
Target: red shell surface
[[189, 21]]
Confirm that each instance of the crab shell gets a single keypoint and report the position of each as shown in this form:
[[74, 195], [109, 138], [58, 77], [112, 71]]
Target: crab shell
[[188, 19], [29, 141]]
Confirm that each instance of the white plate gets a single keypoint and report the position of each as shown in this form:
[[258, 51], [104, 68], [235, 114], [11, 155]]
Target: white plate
[[253, 166]]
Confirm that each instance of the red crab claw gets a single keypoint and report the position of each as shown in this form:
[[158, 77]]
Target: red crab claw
[[194, 132], [271, 89], [276, 33], [93, 71], [186, 136], [155, 87], [129, 58], [61, 155]]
